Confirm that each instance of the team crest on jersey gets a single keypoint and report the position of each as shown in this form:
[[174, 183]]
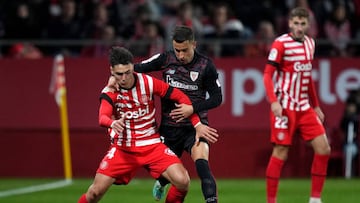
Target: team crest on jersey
[[169, 152], [194, 75]]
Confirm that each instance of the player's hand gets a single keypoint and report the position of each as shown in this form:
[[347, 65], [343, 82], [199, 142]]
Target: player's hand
[[181, 112], [118, 125], [210, 134], [112, 84], [276, 109], [320, 113]]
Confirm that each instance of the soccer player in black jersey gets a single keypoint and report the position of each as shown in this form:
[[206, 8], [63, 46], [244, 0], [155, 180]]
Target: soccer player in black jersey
[[195, 75]]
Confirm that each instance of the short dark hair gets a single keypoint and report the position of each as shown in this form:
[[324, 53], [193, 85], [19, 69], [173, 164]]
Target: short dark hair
[[300, 12], [183, 33], [120, 55]]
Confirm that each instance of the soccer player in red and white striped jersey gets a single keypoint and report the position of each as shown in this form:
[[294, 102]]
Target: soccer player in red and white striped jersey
[[129, 114], [294, 104]]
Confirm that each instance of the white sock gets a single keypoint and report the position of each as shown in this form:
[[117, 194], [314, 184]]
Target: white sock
[[314, 200]]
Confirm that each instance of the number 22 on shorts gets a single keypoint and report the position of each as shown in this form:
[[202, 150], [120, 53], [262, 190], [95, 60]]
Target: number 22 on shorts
[[281, 122]]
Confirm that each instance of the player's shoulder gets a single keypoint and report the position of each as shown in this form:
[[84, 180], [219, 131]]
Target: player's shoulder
[[108, 90], [206, 61], [202, 56], [144, 77], [283, 38], [108, 93]]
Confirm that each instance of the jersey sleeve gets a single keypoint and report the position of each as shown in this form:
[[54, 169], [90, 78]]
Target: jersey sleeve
[[106, 109], [213, 87], [268, 83], [276, 53], [164, 90], [273, 63], [154, 63]]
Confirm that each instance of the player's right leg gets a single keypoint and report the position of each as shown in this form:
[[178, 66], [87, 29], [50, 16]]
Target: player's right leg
[[180, 180], [273, 171], [282, 131], [97, 189]]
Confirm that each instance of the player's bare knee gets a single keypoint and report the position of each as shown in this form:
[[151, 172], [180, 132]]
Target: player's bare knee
[[182, 182], [280, 152], [94, 194], [325, 150]]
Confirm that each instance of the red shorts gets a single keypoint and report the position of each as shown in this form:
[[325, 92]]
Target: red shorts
[[122, 165], [306, 123]]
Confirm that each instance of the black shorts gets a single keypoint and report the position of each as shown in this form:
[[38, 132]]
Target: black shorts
[[179, 139]]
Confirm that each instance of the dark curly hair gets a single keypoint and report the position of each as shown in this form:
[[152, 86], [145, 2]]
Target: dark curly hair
[[120, 55]]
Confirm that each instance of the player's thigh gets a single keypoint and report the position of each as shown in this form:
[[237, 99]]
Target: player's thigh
[[177, 175], [118, 164], [159, 160], [310, 125], [320, 145]]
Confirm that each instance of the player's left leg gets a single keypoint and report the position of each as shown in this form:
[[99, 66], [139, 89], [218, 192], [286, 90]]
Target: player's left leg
[[319, 167], [97, 189], [200, 154]]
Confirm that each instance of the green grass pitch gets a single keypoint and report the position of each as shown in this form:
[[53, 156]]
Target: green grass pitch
[[336, 190]]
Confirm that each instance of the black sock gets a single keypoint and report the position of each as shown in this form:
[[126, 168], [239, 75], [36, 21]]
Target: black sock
[[208, 184], [163, 181]]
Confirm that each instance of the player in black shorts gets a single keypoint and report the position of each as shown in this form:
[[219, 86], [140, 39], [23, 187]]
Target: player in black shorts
[[196, 76]]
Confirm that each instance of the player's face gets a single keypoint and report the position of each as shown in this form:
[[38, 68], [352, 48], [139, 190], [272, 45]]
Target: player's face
[[124, 75], [184, 51], [298, 27]]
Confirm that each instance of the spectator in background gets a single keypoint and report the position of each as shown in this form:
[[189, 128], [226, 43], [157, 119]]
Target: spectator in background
[[66, 26], [21, 23], [184, 16], [100, 19], [351, 116], [262, 41], [337, 30], [101, 47], [2, 30], [223, 26], [151, 41], [24, 51], [134, 28]]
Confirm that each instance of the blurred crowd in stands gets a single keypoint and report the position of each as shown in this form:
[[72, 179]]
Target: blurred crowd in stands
[[38, 28]]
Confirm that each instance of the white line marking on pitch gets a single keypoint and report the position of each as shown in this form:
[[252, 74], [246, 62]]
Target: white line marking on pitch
[[35, 188]]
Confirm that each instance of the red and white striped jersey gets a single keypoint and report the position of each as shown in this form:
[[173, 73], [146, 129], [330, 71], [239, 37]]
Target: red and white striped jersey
[[293, 82], [137, 106]]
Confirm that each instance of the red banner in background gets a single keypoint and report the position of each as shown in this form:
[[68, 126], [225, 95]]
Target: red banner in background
[[27, 104], [245, 105]]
